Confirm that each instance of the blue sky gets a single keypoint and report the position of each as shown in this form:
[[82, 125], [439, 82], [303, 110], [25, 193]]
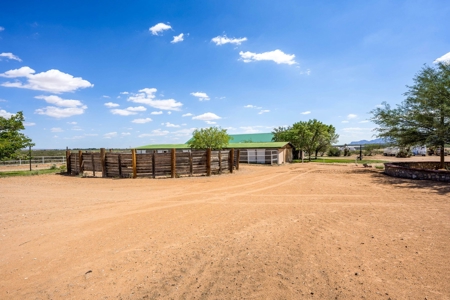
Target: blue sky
[[131, 73]]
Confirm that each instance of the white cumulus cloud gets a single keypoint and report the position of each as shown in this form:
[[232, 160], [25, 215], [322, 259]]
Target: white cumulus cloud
[[156, 132], [53, 80], [110, 135], [56, 129], [5, 114], [177, 38], [147, 96], [28, 124], [443, 59], [209, 116], [156, 113], [160, 27], [111, 104], [64, 107], [277, 56], [201, 96], [187, 115], [122, 112], [168, 124], [263, 111], [141, 121], [305, 112], [58, 101], [210, 122], [352, 116], [57, 112], [9, 55], [136, 108], [222, 40]]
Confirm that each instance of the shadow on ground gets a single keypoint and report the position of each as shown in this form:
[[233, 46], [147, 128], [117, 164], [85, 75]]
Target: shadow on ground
[[442, 188]]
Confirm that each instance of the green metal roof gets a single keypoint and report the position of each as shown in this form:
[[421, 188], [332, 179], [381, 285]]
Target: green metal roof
[[249, 138], [256, 145], [165, 146], [276, 145]]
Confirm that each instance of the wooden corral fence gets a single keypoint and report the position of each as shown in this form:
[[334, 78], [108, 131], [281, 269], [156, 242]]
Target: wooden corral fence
[[132, 165]]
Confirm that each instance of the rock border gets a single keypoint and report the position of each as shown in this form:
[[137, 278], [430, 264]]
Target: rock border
[[424, 170]]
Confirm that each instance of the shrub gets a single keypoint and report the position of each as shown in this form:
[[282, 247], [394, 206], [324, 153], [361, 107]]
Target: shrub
[[333, 151]]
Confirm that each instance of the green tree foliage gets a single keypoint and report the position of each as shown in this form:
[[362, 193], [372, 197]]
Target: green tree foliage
[[310, 136], [209, 138], [423, 118], [11, 140]]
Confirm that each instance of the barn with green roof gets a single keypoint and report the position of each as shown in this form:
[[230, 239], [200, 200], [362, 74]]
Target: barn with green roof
[[254, 148]]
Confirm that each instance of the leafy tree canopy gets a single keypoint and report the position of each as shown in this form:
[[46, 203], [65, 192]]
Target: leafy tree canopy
[[311, 136], [423, 118], [209, 138], [11, 140]]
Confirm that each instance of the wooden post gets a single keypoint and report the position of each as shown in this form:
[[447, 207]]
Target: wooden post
[[80, 162], [68, 166], [231, 160], [220, 161], [103, 160], [133, 162], [153, 164], [93, 163], [173, 165], [190, 163], [208, 162], [119, 158], [238, 158]]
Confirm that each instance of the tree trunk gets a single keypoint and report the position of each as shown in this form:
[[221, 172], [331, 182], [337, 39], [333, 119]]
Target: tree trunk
[[317, 151], [442, 156]]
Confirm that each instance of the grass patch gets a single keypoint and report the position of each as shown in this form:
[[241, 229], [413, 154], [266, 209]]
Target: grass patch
[[28, 173], [331, 160]]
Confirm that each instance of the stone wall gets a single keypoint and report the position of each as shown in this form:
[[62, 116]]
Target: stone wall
[[426, 170]]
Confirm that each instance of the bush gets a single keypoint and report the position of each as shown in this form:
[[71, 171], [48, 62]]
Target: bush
[[334, 152], [53, 167]]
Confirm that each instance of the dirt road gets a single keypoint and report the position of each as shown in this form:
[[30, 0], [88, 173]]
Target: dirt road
[[289, 232]]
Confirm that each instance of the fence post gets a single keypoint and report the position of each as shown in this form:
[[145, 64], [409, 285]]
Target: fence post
[[103, 161], [68, 166], [93, 164], [231, 164], [119, 158], [153, 164], [220, 161], [173, 166], [133, 162], [238, 157], [80, 162], [190, 163], [208, 162]]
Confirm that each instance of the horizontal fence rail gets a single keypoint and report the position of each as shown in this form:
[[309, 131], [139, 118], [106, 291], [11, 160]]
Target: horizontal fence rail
[[153, 165], [36, 160]]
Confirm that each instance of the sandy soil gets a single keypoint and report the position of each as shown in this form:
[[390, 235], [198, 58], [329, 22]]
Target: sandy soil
[[303, 231]]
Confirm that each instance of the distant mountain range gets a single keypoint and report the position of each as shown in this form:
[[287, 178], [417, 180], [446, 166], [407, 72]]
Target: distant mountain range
[[365, 142]]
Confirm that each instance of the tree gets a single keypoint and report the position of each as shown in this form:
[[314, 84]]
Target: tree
[[423, 118], [209, 138], [311, 136], [11, 140]]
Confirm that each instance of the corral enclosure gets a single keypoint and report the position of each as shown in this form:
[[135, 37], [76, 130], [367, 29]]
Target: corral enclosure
[[173, 164]]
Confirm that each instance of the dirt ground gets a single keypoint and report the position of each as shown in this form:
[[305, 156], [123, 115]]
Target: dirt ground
[[300, 231]]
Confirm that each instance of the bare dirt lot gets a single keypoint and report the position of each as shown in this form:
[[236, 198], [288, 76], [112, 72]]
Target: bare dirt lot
[[290, 232]]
